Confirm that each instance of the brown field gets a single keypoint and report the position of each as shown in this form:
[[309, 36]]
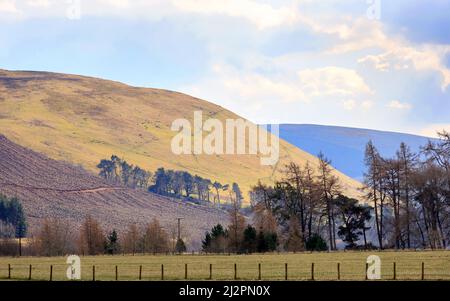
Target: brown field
[[352, 266]]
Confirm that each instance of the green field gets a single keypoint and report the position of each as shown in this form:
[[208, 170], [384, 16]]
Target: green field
[[352, 266]]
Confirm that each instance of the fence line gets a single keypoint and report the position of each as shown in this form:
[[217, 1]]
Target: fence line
[[245, 272]]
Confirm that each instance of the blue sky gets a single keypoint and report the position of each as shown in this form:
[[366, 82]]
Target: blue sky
[[373, 64]]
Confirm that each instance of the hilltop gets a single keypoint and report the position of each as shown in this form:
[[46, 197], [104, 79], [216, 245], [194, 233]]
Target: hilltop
[[82, 120]]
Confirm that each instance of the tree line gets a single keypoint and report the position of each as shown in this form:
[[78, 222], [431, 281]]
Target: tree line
[[55, 237], [406, 201], [309, 208], [118, 170], [259, 233], [167, 182], [410, 193]]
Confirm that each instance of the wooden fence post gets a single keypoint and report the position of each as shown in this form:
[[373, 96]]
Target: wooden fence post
[[285, 271], [394, 267], [51, 273], [93, 273], [162, 271], [235, 271], [117, 273], [29, 273], [185, 271], [9, 271], [367, 268], [312, 271], [210, 271], [339, 270], [140, 272], [259, 271], [423, 270]]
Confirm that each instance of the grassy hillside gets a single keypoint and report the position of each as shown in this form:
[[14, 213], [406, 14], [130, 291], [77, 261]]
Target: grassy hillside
[[82, 120]]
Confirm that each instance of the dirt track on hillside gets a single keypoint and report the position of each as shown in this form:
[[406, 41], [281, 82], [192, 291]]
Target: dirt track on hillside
[[91, 190], [54, 189]]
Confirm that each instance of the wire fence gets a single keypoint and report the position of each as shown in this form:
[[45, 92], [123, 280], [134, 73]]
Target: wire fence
[[357, 270]]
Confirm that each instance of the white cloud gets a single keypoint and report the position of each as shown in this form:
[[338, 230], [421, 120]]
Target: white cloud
[[349, 104], [352, 104], [147, 9], [38, 3], [9, 7], [116, 3], [395, 104], [262, 15], [274, 97], [253, 86], [328, 82], [422, 58], [367, 104], [379, 62], [332, 81], [393, 52]]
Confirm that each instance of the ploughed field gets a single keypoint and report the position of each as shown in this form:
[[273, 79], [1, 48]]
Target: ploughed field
[[53, 189], [222, 267]]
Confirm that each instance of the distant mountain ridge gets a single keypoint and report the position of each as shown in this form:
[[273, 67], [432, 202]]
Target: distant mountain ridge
[[345, 146]]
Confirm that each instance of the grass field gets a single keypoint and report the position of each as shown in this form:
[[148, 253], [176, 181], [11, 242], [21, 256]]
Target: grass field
[[352, 266]]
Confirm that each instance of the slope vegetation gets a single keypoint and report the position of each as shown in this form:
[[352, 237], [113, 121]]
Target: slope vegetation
[[82, 120], [49, 188]]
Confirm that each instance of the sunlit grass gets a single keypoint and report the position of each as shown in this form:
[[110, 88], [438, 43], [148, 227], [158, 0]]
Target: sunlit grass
[[352, 266]]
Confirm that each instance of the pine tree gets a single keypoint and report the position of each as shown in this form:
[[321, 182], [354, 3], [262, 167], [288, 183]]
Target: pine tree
[[316, 243], [250, 240], [261, 242], [206, 243], [112, 243], [180, 247]]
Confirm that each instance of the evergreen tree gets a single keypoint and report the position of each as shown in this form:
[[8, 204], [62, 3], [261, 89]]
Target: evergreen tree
[[180, 247], [261, 242], [11, 212], [112, 243], [206, 242], [354, 217], [316, 243], [250, 240], [271, 241]]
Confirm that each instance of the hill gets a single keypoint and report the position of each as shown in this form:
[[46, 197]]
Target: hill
[[345, 146], [49, 188], [82, 120]]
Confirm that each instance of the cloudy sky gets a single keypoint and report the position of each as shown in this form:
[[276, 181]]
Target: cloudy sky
[[365, 63]]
